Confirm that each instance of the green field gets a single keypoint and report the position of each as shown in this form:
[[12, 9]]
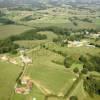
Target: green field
[[8, 75], [8, 30]]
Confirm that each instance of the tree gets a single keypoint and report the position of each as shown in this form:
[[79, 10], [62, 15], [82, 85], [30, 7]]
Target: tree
[[82, 59], [75, 70], [84, 70], [7, 45], [68, 62], [73, 98]]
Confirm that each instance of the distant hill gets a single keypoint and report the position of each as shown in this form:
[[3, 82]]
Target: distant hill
[[43, 3]]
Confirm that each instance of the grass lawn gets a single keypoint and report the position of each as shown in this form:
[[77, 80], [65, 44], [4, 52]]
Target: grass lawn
[[8, 76]]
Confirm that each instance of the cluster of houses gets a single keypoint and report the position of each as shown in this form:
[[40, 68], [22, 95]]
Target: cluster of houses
[[8, 59], [92, 35], [80, 44], [25, 59], [26, 85]]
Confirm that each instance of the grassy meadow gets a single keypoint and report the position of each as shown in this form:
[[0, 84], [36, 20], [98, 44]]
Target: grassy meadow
[[9, 74]]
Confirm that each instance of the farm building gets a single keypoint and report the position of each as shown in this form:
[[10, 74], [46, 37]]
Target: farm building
[[25, 59], [28, 84], [95, 35], [77, 43], [25, 80], [4, 58], [22, 90], [13, 61]]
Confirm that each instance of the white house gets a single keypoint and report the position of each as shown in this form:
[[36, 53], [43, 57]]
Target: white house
[[26, 59]]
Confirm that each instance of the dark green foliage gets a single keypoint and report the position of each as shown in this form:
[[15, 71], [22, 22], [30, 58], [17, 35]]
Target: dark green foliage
[[89, 66], [29, 35], [76, 70], [76, 37], [73, 98], [27, 18], [56, 30], [95, 60], [84, 70], [75, 23], [2, 14], [21, 8], [92, 63], [92, 85], [57, 62], [7, 46], [68, 61], [82, 59], [6, 21], [87, 20]]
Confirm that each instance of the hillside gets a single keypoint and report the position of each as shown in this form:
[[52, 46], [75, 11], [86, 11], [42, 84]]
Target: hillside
[[41, 3]]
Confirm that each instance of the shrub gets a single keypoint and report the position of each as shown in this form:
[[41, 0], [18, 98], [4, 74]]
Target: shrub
[[76, 70], [68, 61], [73, 98], [84, 71]]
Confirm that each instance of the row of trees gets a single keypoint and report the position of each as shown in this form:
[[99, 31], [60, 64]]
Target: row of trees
[[29, 35], [73, 19]]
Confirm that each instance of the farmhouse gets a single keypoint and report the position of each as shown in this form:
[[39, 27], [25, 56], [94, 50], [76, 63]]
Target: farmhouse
[[4, 58], [25, 80], [77, 43], [13, 61], [22, 90], [95, 35], [25, 59], [28, 84]]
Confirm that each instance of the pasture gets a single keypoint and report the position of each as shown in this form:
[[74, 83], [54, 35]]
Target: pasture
[[8, 75], [9, 30]]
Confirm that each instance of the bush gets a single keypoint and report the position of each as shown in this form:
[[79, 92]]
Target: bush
[[7, 46], [82, 59], [29, 35], [76, 70], [73, 98], [68, 61], [92, 85], [84, 71]]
